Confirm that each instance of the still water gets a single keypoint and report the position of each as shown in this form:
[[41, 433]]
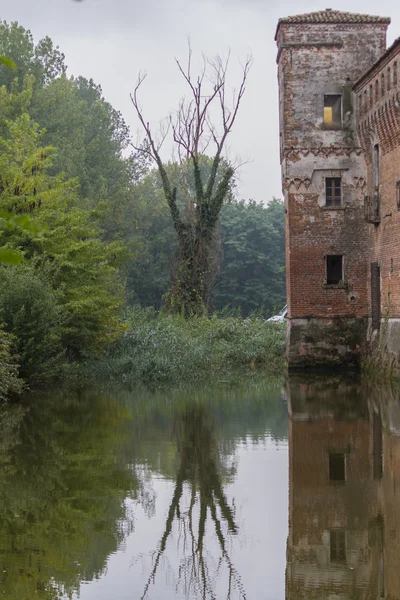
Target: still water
[[263, 490]]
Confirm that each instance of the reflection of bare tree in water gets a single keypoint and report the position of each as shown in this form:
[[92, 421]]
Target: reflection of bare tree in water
[[200, 473]]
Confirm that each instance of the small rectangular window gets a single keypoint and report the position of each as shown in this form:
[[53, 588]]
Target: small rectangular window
[[398, 194], [371, 96], [376, 91], [395, 73], [333, 191], [382, 85], [333, 112], [389, 80], [334, 269], [377, 447], [337, 469], [337, 546], [376, 165]]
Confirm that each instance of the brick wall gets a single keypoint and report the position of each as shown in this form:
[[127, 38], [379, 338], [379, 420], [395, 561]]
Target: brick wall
[[310, 153], [378, 120]]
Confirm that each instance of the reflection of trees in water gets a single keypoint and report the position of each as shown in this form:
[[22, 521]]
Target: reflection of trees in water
[[70, 466], [63, 483], [199, 478]]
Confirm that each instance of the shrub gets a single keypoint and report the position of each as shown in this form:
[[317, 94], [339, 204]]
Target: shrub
[[29, 311], [159, 347], [10, 383]]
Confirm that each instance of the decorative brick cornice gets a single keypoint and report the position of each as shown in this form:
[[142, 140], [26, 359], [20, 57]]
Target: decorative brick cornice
[[297, 153]]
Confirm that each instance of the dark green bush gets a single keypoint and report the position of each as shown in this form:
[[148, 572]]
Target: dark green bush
[[29, 311], [10, 383]]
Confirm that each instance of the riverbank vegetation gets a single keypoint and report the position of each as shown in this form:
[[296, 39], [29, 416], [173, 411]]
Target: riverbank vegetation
[[89, 272], [169, 348]]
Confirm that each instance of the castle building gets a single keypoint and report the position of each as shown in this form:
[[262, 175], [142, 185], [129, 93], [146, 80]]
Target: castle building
[[339, 102]]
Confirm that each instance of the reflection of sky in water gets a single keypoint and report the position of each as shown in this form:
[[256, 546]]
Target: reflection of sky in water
[[259, 493]]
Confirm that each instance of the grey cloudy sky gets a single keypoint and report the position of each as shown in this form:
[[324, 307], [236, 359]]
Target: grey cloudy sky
[[111, 40]]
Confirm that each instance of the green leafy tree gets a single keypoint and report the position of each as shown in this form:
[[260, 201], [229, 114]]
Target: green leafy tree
[[252, 275], [91, 137], [43, 61], [65, 247]]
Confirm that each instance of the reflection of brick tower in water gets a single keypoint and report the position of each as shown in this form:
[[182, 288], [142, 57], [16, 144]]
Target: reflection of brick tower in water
[[320, 56], [335, 541]]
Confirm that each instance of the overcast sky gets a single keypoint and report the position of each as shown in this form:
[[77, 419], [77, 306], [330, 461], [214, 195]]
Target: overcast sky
[[111, 40]]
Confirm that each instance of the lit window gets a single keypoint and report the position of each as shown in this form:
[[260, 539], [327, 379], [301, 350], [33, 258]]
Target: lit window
[[333, 112], [334, 270], [333, 191]]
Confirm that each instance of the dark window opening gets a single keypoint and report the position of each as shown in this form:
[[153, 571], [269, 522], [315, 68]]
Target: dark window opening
[[375, 295], [333, 112], [333, 191], [377, 447], [395, 73], [382, 85], [337, 468], [398, 195], [376, 162], [376, 91], [338, 546], [371, 96], [334, 269], [389, 79]]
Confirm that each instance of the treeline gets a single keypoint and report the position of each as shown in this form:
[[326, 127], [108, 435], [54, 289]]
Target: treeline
[[84, 226]]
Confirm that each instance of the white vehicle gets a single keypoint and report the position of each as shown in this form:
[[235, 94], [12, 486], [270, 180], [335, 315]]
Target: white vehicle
[[280, 317]]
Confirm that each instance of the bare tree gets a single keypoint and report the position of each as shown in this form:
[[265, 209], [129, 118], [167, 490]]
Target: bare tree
[[194, 133]]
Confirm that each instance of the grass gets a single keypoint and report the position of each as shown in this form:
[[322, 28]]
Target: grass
[[156, 347]]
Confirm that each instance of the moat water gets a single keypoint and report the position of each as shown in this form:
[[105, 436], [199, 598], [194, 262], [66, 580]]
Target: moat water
[[263, 490]]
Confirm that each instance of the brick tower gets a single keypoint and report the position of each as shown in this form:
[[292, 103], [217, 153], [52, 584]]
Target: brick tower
[[320, 56]]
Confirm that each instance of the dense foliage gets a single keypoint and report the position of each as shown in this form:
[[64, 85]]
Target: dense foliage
[[10, 383], [250, 253], [85, 227]]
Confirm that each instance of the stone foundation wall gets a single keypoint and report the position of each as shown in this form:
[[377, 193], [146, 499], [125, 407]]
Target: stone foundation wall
[[333, 342], [381, 353]]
